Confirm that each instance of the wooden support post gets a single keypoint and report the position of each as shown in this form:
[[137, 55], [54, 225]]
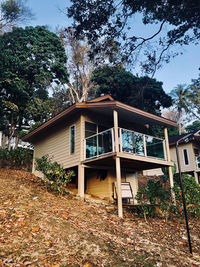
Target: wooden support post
[[196, 177], [115, 116], [118, 167], [119, 187], [81, 180], [171, 180]]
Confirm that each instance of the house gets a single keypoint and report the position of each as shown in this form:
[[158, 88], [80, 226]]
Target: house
[[189, 154], [104, 141]]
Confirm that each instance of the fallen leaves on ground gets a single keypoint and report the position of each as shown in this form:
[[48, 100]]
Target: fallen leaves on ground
[[38, 228]]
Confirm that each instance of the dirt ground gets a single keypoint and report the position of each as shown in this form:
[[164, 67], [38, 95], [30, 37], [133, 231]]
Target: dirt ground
[[38, 228]]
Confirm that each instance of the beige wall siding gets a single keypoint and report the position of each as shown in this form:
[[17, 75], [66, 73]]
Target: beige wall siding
[[195, 163], [99, 188], [104, 188], [57, 145], [153, 172], [184, 168]]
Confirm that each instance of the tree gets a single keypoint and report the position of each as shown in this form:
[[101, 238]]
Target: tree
[[79, 65], [173, 115], [142, 92], [13, 12], [108, 23], [60, 99], [195, 126], [194, 98], [180, 101], [31, 60]]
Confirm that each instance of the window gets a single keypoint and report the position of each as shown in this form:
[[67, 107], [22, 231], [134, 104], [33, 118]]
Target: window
[[90, 129], [185, 156], [196, 152], [72, 139]]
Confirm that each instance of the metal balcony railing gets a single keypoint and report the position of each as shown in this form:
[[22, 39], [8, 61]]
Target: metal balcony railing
[[129, 142]]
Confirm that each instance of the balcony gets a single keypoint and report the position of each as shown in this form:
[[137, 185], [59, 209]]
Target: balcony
[[130, 142]]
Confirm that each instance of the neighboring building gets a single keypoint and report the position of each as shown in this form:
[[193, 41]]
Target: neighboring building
[[105, 141], [4, 142], [189, 153]]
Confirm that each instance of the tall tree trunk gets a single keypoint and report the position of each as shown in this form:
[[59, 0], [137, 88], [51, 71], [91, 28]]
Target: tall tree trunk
[[17, 140], [180, 113], [179, 128], [11, 131], [17, 133]]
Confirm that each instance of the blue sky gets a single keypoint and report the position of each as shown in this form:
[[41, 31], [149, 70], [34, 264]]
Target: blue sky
[[180, 70]]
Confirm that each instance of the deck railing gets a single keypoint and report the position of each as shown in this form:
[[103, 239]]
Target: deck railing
[[129, 142]]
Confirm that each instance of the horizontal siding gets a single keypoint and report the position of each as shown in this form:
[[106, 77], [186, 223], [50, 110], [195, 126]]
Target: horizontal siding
[[153, 172], [57, 145], [101, 188], [184, 168]]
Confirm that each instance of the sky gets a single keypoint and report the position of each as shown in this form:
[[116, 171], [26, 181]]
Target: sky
[[180, 70]]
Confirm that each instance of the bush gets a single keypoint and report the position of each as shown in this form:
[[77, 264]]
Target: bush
[[56, 177], [154, 194], [155, 198], [19, 158], [192, 195]]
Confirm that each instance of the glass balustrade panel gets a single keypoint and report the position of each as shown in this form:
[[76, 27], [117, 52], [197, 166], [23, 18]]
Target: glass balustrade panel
[[98, 144], [154, 147], [91, 147], [132, 142], [105, 142]]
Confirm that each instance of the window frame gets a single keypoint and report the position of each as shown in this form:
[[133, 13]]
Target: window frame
[[70, 135], [186, 164]]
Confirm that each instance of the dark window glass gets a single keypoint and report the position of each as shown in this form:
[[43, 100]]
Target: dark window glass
[[102, 128], [72, 139], [196, 152], [90, 129], [185, 154]]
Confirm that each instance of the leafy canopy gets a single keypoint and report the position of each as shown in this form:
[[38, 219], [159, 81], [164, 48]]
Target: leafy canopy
[[195, 126], [31, 60], [13, 12], [142, 92], [109, 23]]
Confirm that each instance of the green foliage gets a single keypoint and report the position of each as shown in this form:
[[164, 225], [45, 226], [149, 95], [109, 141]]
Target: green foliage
[[192, 195], [60, 99], [141, 92], [13, 11], [195, 126], [19, 158], [39, 110], [155, 195], [107, 23], [165, 170], [172, 131], [194, 98], [56, 177], [151, 195], [31, 60]]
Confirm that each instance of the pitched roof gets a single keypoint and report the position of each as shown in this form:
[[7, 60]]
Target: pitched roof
[[193, 136], [101, 104], [101, 98]]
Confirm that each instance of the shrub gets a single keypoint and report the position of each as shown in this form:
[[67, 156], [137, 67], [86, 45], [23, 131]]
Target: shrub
[[192, 195], [55, 176], [154, 194], [19, 158]]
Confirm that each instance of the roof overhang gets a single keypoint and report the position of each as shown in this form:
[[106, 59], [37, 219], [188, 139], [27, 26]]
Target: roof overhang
[[125, 112]]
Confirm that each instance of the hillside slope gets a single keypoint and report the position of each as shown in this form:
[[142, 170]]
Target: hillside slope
[[38, 228]]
